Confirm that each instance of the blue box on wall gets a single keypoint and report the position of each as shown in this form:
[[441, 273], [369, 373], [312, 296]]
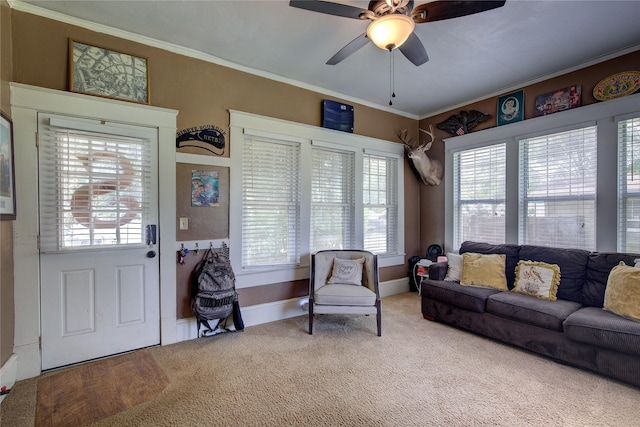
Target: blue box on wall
[[336, 115]]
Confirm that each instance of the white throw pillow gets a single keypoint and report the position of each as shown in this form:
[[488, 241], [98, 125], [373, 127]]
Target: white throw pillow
[[346, 271], [454, 270]]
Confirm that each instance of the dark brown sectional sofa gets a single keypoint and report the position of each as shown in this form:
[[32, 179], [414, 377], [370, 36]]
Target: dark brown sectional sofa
[[573, 330]]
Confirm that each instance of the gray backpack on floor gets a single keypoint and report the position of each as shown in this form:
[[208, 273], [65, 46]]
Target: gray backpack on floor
[[214, 295]]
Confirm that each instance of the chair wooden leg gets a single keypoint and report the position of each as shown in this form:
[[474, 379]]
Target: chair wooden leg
[[310, 317], [379, 317]]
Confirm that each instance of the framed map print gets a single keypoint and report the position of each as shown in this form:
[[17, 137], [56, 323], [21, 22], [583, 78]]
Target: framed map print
[[108, 73]]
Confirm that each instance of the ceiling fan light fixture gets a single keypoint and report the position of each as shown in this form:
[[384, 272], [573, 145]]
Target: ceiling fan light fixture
[[390, 31]]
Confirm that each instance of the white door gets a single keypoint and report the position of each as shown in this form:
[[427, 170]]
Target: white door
[[98, 209]]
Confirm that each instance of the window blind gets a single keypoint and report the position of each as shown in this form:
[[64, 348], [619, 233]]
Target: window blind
[[558, 189], [479, 194], [94, 189], [332, 199], [270, 201], [380, 204], [629, 185]]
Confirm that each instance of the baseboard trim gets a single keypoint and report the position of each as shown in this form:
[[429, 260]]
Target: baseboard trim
[[8, 373], [279, 310]]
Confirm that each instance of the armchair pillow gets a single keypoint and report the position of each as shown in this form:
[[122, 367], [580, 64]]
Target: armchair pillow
[[484, 271], [537, 279], [347, 271]]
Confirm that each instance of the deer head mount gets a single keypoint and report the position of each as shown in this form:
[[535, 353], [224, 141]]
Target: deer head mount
[[430, 170]]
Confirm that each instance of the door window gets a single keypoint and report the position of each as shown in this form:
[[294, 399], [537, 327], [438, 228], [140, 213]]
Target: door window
[[94, 188]]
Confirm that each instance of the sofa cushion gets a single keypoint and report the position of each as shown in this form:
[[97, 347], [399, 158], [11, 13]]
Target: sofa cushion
[[595, 326], [598, 269], [572, 263], [537, 279], [345, 295], [622, 295], [531, 310], [467, 297], [511, 251], [484, 271]]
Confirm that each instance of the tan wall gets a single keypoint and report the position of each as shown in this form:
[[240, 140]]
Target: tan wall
[[432, 198], [7, 318], [203, 93]]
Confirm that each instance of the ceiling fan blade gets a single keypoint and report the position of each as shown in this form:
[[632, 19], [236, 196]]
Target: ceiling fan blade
[[328, 8], [414, 50], [445, 9], [353, 46]]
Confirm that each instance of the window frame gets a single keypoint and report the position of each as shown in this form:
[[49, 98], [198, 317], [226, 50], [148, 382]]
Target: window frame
[[624, 195], [604, 115], [526, 199], [350, 222], [399, 197], [241, 122], [459, 202]]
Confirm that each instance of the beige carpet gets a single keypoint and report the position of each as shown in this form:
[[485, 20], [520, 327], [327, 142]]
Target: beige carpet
[[419, 373]]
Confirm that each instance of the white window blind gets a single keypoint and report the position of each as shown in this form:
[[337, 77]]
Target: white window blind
[[332, 199], [93, 189], [380, 200], [479, 194], [629, 185], [558, 189], [270, 202]]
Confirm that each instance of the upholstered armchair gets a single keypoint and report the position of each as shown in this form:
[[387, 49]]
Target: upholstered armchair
[[344, 282]]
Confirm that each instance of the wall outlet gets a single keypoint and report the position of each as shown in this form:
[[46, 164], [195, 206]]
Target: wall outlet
[[184, 223]]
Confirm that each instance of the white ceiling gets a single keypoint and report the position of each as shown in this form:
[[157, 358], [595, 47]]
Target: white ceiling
[[471, 57]]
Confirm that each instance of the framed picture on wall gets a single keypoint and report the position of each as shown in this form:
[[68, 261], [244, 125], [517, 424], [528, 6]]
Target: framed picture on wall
[[558, 100], [104, 72], [7, 166], [511, 108]]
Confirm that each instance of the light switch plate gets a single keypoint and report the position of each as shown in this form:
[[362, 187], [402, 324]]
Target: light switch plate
[[184, 223]]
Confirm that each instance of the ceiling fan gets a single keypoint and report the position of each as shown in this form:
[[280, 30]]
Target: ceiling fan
[[393, 21]]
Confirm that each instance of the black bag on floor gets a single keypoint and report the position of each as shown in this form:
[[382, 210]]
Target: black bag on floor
[[214, 295]]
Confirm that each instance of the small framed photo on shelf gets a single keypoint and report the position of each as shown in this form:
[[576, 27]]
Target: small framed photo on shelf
[[558, 100], [7, 166], [108, 73], [511, 108]]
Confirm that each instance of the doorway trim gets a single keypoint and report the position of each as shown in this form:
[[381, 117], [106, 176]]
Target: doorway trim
[[26, 102]]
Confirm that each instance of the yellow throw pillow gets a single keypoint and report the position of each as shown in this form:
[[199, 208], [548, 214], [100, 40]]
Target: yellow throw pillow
[[537, 279], [622, 295], [484, 271]]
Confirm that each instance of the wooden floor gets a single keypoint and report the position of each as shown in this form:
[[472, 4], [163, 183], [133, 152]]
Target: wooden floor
[[87, 393]]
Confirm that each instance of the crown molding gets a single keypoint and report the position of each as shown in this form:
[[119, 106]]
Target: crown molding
[[192, 53], [530, 82]]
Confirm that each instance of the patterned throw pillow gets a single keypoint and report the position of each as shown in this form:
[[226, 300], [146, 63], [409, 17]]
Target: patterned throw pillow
[[346, 271], [622, 295], [537, 279], [484, 271]]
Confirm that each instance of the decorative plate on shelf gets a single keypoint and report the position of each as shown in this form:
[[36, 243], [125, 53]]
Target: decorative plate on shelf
[[617, 85]]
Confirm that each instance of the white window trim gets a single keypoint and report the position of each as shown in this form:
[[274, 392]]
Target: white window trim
[[603, 113], [241, 123]]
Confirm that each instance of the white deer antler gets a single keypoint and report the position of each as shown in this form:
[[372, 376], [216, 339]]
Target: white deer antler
[[430, 170]]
